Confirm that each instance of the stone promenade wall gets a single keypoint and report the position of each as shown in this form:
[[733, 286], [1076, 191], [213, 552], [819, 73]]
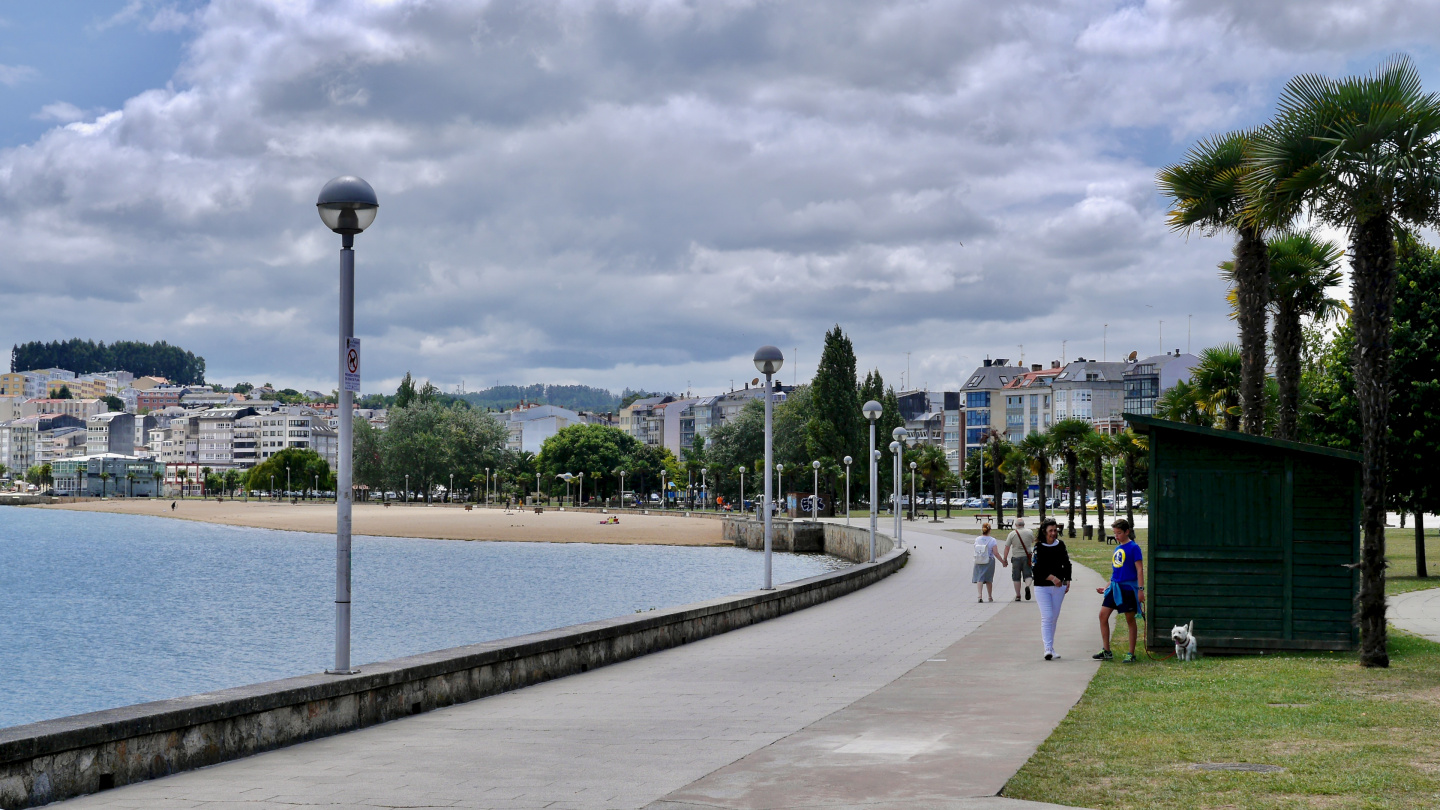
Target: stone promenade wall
[[57, 759], [846, 542]]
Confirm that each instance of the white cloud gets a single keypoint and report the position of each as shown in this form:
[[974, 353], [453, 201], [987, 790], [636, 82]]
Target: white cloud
[[638, 192], [11, 75]]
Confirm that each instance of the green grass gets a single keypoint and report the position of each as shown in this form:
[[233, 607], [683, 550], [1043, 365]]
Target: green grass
[[1400, 551], [1347, 736]]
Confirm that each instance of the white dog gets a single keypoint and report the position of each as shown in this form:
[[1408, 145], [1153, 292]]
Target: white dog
[[1186, 645]]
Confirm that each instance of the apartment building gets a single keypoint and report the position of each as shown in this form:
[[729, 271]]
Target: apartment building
[[1029, 401], [79, 408], [67, 443], [1149, 379], [112, 433], [25, 442], [215, 435], [107, 474], [1094, 391], [983, 402], [528, 427], [641, 419], [160, 396], [32, 384], [202, 397], [295, 426], [10, 408]]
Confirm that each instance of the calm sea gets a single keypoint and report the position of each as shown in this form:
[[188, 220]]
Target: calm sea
[[98, 610]]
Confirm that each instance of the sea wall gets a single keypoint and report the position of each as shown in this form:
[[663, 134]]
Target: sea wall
[[846, 542], [71, 756]]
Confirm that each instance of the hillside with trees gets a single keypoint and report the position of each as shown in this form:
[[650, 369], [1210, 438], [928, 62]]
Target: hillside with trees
[[158, 359]]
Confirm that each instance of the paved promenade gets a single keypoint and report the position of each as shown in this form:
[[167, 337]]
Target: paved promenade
[[905, 694], [1417, 612]]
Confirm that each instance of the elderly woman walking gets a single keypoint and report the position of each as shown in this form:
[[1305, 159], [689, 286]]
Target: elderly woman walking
[[1052, 581], [986, 552]]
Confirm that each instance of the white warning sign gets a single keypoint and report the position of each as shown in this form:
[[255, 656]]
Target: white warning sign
[[350, 362]]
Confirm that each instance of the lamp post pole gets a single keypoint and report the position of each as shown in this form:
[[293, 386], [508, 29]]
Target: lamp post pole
[[289, 487], [347, 205], [780, 484], [847, 490], [872, 411], [622, 489], [815, 493], [768, 360], [662, 490], [582, 487], [895, 488], [912, 490], [537, 489], [450, 493], [704, 487], [742, 488]]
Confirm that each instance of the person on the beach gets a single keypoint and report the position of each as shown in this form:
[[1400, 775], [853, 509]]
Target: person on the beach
[[1126, 591], [986, 552], [1051, 567], [1019, 542]]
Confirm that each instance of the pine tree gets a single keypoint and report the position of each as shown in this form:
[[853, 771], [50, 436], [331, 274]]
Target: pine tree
[[405, 394], [834, 428]]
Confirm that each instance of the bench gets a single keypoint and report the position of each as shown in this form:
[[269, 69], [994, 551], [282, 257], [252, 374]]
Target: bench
[[539, 509]]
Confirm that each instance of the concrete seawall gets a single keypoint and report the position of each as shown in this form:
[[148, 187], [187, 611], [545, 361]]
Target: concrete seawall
[[846, 542], [58, 759]]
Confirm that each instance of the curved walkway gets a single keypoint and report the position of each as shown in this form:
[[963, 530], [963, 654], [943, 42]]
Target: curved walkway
[[904, 694], [1417, 612]]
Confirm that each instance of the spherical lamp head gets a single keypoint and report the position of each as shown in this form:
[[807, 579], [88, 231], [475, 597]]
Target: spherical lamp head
[[740, 469], [899, 433], [872, 410], [768, 360], [347, 205], [848, 460], [877, 455], [912, 465], [894, 446], [779, 468]]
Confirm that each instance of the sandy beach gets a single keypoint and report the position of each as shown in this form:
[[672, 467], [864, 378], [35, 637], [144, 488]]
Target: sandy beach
[[438, 522]]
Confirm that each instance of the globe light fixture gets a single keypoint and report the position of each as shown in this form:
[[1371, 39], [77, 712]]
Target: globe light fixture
[[347, 205]]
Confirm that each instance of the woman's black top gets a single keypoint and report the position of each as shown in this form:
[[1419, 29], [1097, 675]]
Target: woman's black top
[[1051, 560]]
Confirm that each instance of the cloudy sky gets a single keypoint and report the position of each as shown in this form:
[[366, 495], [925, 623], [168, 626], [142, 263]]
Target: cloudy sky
[[635, 192]]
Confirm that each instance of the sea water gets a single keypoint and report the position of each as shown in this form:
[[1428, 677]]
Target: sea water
[[100, 610]]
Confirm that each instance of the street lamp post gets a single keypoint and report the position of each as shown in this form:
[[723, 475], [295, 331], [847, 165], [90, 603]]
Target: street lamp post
[[450, 493], [872, 411], [582, 487], [622, 490], [768, 361], [347, 205], [895, 488], [272, 487], [663, 491], [741, 470], [487, 486], [899, 434], [780, 483], [704, 487], [289, 487], [912, 490], [847, 490], [815, 494], [407, 488], [537, 489]]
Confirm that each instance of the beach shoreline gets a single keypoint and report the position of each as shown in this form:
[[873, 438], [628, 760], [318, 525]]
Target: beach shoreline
[[421, 521]]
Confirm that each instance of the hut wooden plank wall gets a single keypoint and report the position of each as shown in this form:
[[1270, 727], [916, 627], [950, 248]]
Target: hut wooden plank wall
[[1250, 538]]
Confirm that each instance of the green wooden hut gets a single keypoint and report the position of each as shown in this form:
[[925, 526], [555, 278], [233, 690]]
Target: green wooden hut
[[1250, 538]]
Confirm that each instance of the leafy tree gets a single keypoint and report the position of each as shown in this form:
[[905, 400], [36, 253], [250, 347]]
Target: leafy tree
[[113, 403], [405, 394], [1362, 154], [739, 442], [592, 449], [243, 388], [304, 464], [64, 393], [1216, 381], [835, 426], [1209, 194], [230, 481]]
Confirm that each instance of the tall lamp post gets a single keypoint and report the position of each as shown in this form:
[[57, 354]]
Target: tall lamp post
[[663, 491], [566, 478], [487, 486], [847, 490], [912, 490], [872, 411], [450, 493], [815, 493], [622, 489], [780, 483], [582, 487], [347, 205], [537, 489], [768, 361], [898, 446], [704, 487], [741, 470]]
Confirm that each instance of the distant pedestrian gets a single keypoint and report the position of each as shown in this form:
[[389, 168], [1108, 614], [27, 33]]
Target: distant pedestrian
[[1020, 541], [1052, 581], [1126, 592], [986, 552]]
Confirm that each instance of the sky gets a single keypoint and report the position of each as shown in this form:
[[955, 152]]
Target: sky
[[636, 192]]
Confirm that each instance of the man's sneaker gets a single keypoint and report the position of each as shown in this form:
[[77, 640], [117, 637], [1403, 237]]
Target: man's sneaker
[[1104, 655], [1128, 659]]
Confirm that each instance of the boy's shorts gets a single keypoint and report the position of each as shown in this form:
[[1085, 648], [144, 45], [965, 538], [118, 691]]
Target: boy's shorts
[[1129, 600]]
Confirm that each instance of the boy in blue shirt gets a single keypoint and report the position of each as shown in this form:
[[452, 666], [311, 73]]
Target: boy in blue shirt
[[1126, 591]]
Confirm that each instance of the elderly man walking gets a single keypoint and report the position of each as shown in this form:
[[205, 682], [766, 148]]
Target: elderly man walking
[[1020, 542]]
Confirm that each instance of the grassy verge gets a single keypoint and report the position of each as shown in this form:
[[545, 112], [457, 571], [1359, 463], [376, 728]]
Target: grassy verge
[[1346, 736], [1401, 577]]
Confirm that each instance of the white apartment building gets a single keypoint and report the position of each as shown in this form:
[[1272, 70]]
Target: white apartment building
[[528, 428], [112, 433], [10, 408], [25, 442], [79, 408], [1093, 391], [296, 426], [1030, 401], [215, 435]]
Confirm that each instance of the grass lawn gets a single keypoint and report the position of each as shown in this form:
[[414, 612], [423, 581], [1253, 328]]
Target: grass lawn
[[1346, 736], [1400, 550]]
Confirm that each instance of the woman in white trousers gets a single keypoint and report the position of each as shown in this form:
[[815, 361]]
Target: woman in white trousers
[[1052, 581]]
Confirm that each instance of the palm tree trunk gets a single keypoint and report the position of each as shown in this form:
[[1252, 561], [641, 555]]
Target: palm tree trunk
[[1019, 496], [1287, 370], [999, 502], [1129, 488], [1373, 292], [1100, 494], [1084, 497], [1070, 467], [1044, 478], [1252, 273]]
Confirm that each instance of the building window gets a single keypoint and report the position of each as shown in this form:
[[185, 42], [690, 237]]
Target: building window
[[977, 399]]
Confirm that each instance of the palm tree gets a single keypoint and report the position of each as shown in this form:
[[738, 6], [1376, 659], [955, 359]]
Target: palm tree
[[999, 448], [204, 479], [184, 475], [1130, 446], [158, 476], [1210, 194], [1067, 435], [1216, 382], [1302, 268], [1101, 449], [1180, 404], [130, 477], [104, 476], [1360, 153], [931, 464], [1037, 450], [1016, 465]]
